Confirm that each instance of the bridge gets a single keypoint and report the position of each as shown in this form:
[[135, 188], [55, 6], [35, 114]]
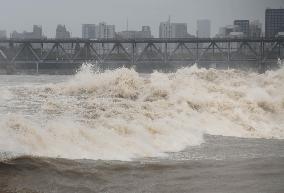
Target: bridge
[[49, 52]]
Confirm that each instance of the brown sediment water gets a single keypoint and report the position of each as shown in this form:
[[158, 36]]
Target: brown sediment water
[[220, 165], [195, 130]]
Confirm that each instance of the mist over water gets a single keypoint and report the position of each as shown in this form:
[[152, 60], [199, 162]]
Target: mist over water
[[121, 115]]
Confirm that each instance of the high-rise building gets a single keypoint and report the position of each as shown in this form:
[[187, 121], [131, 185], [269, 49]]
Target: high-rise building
[[173, 30], [146, 30], [89, 31], [203, 28], [165, 30], [255, 30], [179, 30], [110, 31], [105, 31], [243, 26], [274, 22], [37, 32], [62, 32], [3, 34], [100, 31]]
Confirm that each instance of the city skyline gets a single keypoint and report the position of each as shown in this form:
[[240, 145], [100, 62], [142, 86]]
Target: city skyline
[[169, 30], [136, 12]]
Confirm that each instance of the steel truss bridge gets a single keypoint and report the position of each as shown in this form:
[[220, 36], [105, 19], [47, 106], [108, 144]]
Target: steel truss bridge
[[139, 51]]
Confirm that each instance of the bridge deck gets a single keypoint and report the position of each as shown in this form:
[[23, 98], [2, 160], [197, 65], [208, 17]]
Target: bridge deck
[[146, 40]]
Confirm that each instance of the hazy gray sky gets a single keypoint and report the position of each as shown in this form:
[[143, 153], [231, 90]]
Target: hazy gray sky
[[22, 14]]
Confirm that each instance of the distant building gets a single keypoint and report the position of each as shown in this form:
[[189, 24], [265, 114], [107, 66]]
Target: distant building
[[110, 31], [255, 29], [173, 30], [179, 30], [243, 26], [230, 31], [35, 34], [203, 28], [274, 22], [17, 35], [105, 31], [227, 30], [165, 30], [62, 32], [100, 31], [89, 31], [144, 33], [146, 30], [131, 34], [3, 34]]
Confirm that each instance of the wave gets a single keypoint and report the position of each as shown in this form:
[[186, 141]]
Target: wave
[[121, 115]]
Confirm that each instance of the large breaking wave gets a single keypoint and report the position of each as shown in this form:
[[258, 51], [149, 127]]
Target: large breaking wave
[[122, 115]]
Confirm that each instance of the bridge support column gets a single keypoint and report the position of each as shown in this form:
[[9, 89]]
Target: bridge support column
[[37, 67], [197, 53], [261, 63], [166, 54], [229, 55], [133, 54]]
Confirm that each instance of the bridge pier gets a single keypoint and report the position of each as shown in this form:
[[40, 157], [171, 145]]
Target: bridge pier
[[133, 54], [229, 55], [166, 54], [37, 67]]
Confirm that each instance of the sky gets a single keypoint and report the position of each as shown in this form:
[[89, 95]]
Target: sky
[[21, 15]]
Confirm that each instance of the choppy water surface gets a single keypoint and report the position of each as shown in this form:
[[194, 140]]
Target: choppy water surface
[[167, 127]]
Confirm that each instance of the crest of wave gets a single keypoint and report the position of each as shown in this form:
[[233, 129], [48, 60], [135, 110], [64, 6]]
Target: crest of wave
[[120, 83], [111, 139], [120, 114], [238, 103]]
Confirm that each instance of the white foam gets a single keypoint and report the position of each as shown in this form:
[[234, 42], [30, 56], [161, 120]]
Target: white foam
[[121, 115]]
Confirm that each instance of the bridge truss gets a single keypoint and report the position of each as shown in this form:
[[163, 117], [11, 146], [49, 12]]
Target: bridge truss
[[140, 51]]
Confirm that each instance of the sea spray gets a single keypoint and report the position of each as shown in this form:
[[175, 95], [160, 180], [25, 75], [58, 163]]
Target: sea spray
[[120, 114]]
